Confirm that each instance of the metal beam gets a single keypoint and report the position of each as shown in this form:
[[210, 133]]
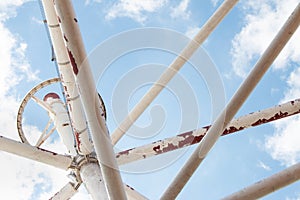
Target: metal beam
[[35, 153], [92, 179], [132, 194], [90, 100], [234, 105], [171, 71], [193, 137], [268, 185], [66, 192]]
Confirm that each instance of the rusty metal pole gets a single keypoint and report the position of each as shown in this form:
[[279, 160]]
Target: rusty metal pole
[[268, 185], [35, 153], [193, 137], [233, 106], [90, 100], [171, 71], [78, 120]]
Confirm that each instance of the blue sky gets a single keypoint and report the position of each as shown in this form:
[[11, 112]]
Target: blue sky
[[234, 47]]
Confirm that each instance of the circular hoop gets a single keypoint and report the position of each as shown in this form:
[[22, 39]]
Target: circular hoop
[[29, 95], [24, 103]]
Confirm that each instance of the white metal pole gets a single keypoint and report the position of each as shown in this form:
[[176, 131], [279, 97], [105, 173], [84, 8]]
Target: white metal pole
[[92, 179], [61, 121], [90, 100], [171, 71], [193, 137], [79, 125], [233, 106], [35, 153], [66, 192], [268, 185]]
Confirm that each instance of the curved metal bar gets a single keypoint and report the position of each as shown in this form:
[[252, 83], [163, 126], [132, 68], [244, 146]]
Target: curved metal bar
[[24, 102]]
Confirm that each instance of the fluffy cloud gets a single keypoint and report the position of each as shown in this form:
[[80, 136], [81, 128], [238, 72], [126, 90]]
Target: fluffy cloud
[[262, 21], [134, 9], [181, 11]]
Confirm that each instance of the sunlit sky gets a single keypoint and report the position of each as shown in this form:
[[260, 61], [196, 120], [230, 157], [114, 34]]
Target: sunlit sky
[[235, 162]]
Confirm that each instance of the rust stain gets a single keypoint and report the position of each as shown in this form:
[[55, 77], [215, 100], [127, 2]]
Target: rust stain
[[156, 148], [186, 134], [73, 62], [275, 117], [130, 187], [77, 140], [58, 19], [126, 152], [65, 124], [66, 39], [190, 140], [232, 129]]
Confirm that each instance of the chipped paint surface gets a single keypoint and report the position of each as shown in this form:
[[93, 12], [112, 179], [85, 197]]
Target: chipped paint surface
[[193, 137]]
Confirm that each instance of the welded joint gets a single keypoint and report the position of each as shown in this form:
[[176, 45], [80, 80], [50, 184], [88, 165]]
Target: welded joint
[[81, 160], [76, 165]]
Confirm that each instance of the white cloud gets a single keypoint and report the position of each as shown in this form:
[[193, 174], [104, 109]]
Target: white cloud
[[134, 9], [181, 11], [262, 21], [8, 8], [284, 144]]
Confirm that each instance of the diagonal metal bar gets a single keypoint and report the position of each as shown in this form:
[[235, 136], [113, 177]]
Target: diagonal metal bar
[[171, 71], [193, 137], [234, 105], [67, 192], [35, 153], [39, 141], [42, 104], [268, 185], [90, 100]]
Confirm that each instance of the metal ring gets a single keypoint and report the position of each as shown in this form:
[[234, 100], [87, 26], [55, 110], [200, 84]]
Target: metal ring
[[24, 103]]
